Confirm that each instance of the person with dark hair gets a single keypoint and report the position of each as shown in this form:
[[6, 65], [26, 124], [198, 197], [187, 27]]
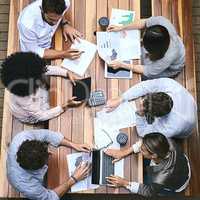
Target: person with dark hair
[[163, 105], [37, 24], [23, 74], [163, 51], [169, 170], [27, 164]]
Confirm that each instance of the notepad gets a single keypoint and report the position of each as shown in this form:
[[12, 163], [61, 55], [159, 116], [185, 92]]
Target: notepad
[[80, 65]]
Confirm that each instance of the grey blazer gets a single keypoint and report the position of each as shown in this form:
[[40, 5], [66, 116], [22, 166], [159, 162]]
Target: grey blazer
[[171, 173]]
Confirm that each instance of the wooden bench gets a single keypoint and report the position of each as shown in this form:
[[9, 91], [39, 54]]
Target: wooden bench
[[84, 15]]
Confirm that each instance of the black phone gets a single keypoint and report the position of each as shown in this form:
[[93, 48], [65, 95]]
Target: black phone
[[82, 89]]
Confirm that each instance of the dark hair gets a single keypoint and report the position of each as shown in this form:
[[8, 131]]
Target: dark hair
[[21, 73], [156, 143], [156, 105], [32, 154], [156, 41], [54, 6]]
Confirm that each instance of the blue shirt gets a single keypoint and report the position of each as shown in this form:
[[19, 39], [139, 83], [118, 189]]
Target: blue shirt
[[28, 182]]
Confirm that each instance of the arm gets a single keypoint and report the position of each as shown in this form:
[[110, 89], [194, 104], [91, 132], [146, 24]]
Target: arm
[[144, 189], [142, 89], [137, 24], [42, 115], [135, 68], [119, 154], [28, 42], [80, 173], [137, 91], [56, 71]]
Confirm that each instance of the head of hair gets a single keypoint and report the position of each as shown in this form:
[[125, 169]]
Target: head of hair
[[21, 73], [32, 154], [157, 105], [156, 143], [156, 41], [53, 6]]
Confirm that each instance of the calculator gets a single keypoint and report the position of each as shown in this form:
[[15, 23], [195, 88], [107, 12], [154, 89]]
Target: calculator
[[97, 98]]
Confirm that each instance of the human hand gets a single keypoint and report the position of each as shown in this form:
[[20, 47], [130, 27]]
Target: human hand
[[117, 64], [82, 171], [71, 103], [117, 153], [116, 181], [72, 54], [71, 33], [82, 147], [72, 77], [114, 28], [113, 103]]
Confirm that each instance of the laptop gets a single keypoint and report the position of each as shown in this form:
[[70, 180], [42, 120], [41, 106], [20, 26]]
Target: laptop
[[102, 167]]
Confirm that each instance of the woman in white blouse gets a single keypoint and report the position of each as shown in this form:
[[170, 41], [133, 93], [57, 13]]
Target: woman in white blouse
[[23, 75]]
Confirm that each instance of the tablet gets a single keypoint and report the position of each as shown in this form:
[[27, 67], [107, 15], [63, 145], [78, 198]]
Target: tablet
[[119, 73], [82, 89]]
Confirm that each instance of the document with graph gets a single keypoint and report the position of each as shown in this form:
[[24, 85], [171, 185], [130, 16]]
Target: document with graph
[[123, 45]]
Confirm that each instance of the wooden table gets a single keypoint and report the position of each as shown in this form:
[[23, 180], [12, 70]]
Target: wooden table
[[77, 124]]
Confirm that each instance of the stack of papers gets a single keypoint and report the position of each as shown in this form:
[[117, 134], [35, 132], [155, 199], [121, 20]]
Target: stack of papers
[[79, 66], [123, 45]]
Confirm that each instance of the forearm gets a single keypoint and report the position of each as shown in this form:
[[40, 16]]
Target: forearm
[[135, 68], [128, 151], [138, 24], [56, 71], [67, 143], [53, 54], [65, 187]]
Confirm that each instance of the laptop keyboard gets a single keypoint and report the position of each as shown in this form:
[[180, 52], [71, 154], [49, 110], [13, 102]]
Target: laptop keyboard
[[107, 167]]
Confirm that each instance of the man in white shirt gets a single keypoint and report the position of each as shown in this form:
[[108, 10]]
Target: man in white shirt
[[37, 24], [166, 107]]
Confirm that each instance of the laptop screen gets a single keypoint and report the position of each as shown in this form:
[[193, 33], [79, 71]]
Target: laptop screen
[[95, 166]]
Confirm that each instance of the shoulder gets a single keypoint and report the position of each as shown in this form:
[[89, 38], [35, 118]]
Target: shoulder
[[30, 15]]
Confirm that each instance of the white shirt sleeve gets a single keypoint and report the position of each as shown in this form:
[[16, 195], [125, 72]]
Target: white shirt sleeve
[[45, 135], [137, 146], [48, 114], [142, 89], [56, 71], [133, 187], [28, 41]]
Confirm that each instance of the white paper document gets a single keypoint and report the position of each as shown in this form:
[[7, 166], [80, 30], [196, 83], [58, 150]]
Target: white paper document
[[122, 117], [123, 45], [73, 160], [79, 66], [121, 17]]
